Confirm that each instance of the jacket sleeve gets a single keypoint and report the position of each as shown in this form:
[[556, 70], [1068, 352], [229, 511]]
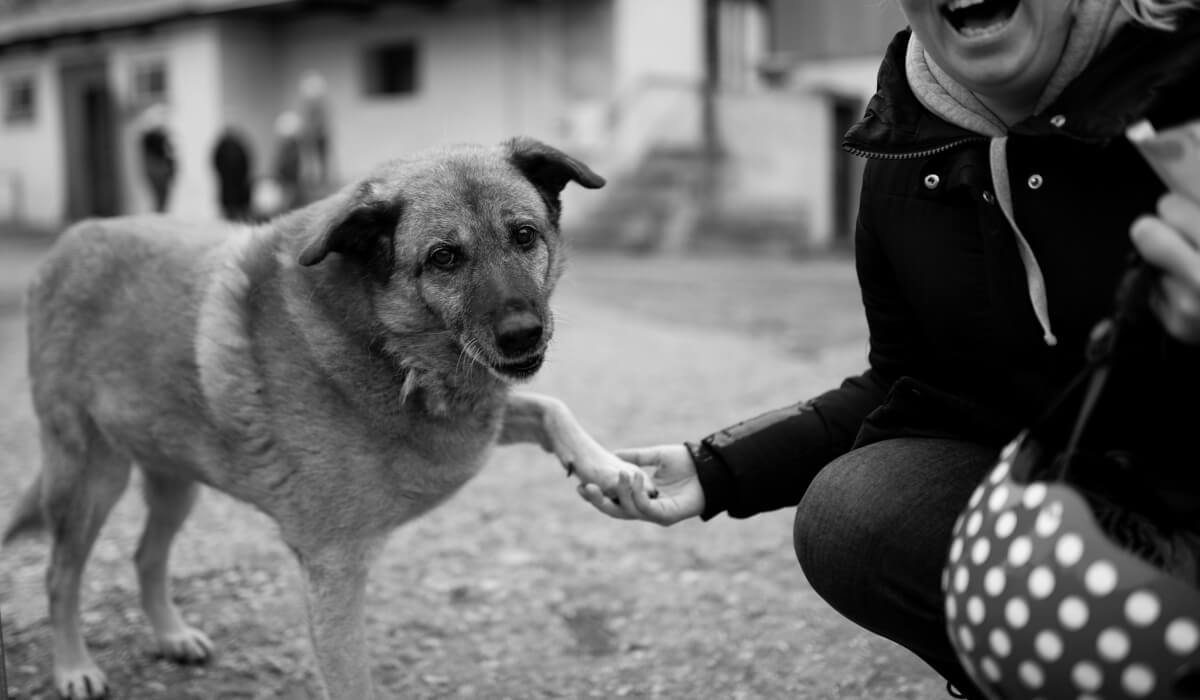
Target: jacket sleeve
[[768, 461]]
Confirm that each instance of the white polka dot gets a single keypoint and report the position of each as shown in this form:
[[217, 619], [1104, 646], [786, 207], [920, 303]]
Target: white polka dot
[[1183, 636], [1113, 644], [976, 496], [1048, 645], [998, 499], [956, 548], [1000, 643], [1069, 549], [1031, 675], [1034, 494], [951, 607], [1019, 551], [961, 579], [965, 639], [991, 669], [980, 550], [1016, 612], [1087, 676], [1138, 680], [1010, 450], [1142, 608], [973, 523], [993, 581], [1049, 519], [1005, 524], [1101, 578], [975, 610], [1073, 612], [999, 472], [1041, 582]]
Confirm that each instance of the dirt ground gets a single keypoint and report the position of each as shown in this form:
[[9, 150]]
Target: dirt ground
[[516, 588]]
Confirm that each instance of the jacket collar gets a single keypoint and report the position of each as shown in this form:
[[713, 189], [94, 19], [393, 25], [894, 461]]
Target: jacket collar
[[1123, 83]]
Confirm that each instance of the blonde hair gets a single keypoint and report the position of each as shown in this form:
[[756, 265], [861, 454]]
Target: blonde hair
[[1158, 14]]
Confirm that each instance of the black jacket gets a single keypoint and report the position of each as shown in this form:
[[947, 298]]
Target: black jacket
[[955, 347]]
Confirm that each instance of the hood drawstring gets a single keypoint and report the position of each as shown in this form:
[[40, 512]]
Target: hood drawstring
[[1036, 283], [1094, 23]]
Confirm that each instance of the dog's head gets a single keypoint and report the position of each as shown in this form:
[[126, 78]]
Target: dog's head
[[461, 244]]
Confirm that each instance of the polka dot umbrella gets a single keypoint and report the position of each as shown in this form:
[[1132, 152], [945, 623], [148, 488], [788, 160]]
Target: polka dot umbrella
[[1041, 604]]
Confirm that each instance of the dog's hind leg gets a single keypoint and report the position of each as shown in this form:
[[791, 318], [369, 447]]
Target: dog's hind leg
[[169, 500], [82, 477]]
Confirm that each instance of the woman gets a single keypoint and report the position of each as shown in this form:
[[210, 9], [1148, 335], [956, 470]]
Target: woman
[[1000, 206]]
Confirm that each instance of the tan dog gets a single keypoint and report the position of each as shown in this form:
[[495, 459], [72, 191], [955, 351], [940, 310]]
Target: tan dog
[[344, 368]]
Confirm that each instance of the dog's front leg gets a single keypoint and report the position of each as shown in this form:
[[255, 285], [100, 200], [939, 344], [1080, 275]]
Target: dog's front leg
[[335, 580], [548, 422]]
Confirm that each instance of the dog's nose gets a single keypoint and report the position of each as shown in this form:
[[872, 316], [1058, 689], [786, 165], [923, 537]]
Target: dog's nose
[[517, 334]]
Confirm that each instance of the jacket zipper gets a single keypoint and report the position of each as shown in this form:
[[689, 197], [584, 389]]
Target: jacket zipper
[[913, 154]]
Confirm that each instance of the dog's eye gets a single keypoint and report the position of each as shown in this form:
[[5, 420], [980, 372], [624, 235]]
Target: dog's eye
[[444, 258], [524, 236]]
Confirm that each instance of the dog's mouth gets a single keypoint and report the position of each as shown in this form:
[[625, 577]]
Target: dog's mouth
[[522, 369], [972, 18]]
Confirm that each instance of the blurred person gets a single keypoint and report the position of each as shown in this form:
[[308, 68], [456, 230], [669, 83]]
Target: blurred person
[[288, 161], [232, 162], [1000, 206], [314, 135], [157, 155]]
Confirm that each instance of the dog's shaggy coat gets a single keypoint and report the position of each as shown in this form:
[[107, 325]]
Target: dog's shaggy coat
[[344, 368]]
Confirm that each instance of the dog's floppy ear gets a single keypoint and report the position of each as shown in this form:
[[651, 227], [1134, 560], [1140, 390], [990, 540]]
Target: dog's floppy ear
[[362, 226], [549, 169]]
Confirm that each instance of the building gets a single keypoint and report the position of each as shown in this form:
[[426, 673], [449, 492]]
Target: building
[[635, 87], [76, 75]]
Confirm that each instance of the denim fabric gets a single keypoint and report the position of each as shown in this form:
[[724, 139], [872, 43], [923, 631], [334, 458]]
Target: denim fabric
[[873, 531]]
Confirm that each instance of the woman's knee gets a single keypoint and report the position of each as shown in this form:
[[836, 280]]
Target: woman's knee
[[876, 522]]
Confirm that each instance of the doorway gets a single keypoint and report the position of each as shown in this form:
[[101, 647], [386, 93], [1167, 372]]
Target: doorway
[[90, 141]]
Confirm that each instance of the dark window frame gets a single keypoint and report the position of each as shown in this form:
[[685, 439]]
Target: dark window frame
[[20, 99], [150, 82], [392, 70]]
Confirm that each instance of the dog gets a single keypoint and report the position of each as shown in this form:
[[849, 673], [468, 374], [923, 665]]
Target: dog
[[343, 367]]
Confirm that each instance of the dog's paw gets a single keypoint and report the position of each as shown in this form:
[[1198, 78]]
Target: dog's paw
[[188, 646], [83, 682]]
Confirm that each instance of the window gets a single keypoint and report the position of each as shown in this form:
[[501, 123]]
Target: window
[[19, 100], [391, 70], [149, 82]]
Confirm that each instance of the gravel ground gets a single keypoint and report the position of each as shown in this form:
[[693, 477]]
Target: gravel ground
[[516, 588]]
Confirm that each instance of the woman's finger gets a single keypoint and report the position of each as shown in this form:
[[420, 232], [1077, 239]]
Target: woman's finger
[[1177, 306], [1166, 248], [1183, 214]]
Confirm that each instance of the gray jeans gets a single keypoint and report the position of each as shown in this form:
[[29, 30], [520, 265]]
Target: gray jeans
[[873, 531]]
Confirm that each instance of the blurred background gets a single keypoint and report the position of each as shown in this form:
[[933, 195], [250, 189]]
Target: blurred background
[[710, 282], [728, 112]]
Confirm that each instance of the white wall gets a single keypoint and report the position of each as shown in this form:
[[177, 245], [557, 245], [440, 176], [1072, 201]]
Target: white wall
[[659, 40], [32, 184], [484, 75], [781, 148]]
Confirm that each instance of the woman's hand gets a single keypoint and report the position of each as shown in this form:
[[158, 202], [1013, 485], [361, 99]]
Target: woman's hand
[[1170, 241], [669, 469]]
